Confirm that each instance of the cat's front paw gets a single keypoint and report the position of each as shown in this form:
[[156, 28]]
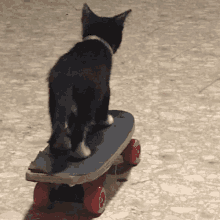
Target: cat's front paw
[[109, 121]]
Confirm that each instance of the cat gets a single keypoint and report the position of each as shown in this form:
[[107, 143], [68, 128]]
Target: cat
[[79, 90]]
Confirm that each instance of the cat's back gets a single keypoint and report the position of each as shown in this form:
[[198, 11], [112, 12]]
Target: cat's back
[[89, 54]]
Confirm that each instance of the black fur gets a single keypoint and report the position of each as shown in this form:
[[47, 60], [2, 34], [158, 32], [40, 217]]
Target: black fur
[[79, 83]]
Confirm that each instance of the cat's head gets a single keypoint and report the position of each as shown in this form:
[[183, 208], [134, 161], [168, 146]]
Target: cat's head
[[108, 28]]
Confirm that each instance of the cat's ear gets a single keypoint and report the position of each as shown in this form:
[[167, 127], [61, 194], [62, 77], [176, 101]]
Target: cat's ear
[[120, 19], [87, 14]]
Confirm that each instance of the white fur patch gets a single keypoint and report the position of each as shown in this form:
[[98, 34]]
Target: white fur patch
[[82, 151], [110, 120]]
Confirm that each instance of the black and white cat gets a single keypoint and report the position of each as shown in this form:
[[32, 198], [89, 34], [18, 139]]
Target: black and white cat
[[79, 90]]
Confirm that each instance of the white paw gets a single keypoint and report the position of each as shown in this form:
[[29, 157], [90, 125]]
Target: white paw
[[109, 121], [82, 151]]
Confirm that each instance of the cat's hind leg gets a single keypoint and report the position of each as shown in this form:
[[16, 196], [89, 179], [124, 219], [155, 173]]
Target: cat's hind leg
[[79, 131], [81, 123], [59, 141], [102, 116], [81, 151]]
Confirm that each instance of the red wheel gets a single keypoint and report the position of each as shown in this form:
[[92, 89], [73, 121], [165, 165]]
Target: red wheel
[[95, 200], [100, 181], [132, 152], [41, 194]]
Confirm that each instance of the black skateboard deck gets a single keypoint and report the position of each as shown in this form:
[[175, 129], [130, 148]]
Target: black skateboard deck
[[107, 145]]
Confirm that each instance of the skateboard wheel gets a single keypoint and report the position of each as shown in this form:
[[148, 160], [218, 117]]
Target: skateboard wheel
[[41, 194], [97, 182], [100, 181], [95, 200], [132, 152]]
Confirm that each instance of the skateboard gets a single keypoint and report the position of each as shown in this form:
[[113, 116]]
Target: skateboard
[[82, 181]]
